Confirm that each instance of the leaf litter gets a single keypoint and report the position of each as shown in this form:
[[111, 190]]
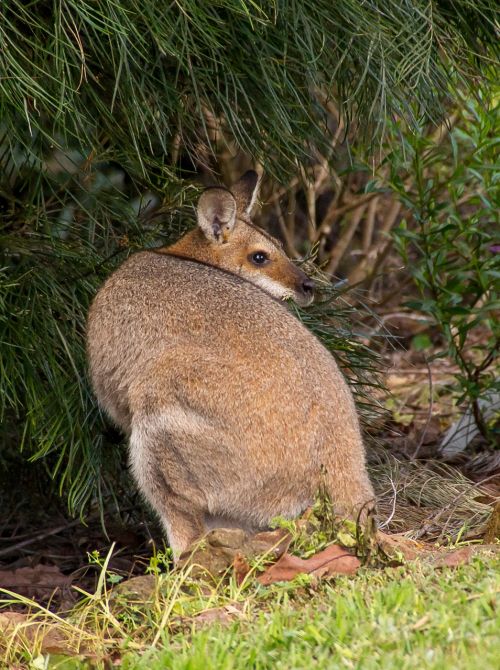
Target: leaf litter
[[309, 546]]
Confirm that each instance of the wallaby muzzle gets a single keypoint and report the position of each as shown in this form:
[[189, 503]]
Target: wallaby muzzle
[[304, 289]]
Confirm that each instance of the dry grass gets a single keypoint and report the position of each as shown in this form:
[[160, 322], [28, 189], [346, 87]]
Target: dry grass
[[429, 500]]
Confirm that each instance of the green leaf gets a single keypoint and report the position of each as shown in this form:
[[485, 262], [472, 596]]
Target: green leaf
[[421, 342]]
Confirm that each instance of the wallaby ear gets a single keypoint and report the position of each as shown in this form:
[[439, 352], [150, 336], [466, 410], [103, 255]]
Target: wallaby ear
[[216, 213], [245, 191]]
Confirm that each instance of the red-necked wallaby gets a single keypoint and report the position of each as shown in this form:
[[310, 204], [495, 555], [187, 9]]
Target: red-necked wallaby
[[234, 411]]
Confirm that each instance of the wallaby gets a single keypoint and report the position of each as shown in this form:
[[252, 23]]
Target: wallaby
[[234, 411]]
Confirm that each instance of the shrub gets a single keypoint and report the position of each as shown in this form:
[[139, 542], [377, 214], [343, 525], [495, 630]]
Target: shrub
[[450, 241]]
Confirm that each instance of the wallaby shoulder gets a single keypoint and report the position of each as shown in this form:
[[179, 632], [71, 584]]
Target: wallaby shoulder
[[187, 294]]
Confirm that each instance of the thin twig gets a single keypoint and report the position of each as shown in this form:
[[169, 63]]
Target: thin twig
[[369, 225], [429, 415], [39, 536], [289, 242], [341, 246], [280, 192], [310, 193], [393, 511], [334, 212]]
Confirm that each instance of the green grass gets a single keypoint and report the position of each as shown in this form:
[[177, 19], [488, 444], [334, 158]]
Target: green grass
[[408, 617], [391, 620]]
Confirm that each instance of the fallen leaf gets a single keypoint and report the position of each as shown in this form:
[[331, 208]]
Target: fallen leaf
[[9, 620], [400, 546], [241, 568], [49, 637], [453, 559], [334, 560], [392, 545], [222, 615], [38, 582], [346, 540]]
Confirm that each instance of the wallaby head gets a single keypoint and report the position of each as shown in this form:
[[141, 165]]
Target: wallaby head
[[226, 238]]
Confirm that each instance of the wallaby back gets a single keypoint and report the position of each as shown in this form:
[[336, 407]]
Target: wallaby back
[[235, 412]]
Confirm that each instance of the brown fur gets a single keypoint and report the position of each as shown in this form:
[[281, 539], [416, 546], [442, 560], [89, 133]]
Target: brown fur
[[235, 412]]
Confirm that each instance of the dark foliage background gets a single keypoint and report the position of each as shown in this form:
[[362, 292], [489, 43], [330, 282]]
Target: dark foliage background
[[111, 113]]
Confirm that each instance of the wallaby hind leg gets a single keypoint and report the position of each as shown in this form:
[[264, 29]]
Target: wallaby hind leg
[[176, 500]]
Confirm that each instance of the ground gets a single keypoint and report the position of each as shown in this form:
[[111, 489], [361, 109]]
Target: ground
[[414, 616]]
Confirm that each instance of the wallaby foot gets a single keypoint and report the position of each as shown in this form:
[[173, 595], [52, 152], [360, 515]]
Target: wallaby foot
[[183, 529]]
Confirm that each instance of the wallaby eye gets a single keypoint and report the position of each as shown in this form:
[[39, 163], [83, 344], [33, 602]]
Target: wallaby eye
[[259, 257]]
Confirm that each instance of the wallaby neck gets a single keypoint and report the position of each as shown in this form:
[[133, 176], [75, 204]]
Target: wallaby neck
[[193, 245]]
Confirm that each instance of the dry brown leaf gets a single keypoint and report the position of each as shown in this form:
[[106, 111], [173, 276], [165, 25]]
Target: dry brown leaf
[[38, 582], [396, 544], [455, 558], [223, 615], [9, 620], [48, 636], [412, 550], [333, 560], [241, 568], [423, 621], [216, 615], [228, 538]]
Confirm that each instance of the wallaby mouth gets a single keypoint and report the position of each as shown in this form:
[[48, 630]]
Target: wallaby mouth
[[304, 293], [303, 300]]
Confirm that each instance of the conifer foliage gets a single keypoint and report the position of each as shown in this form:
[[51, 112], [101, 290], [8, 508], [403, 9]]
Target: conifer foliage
[[109, 105]]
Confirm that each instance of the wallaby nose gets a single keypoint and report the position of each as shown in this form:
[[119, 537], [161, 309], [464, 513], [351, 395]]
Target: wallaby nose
[[308, 286]]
